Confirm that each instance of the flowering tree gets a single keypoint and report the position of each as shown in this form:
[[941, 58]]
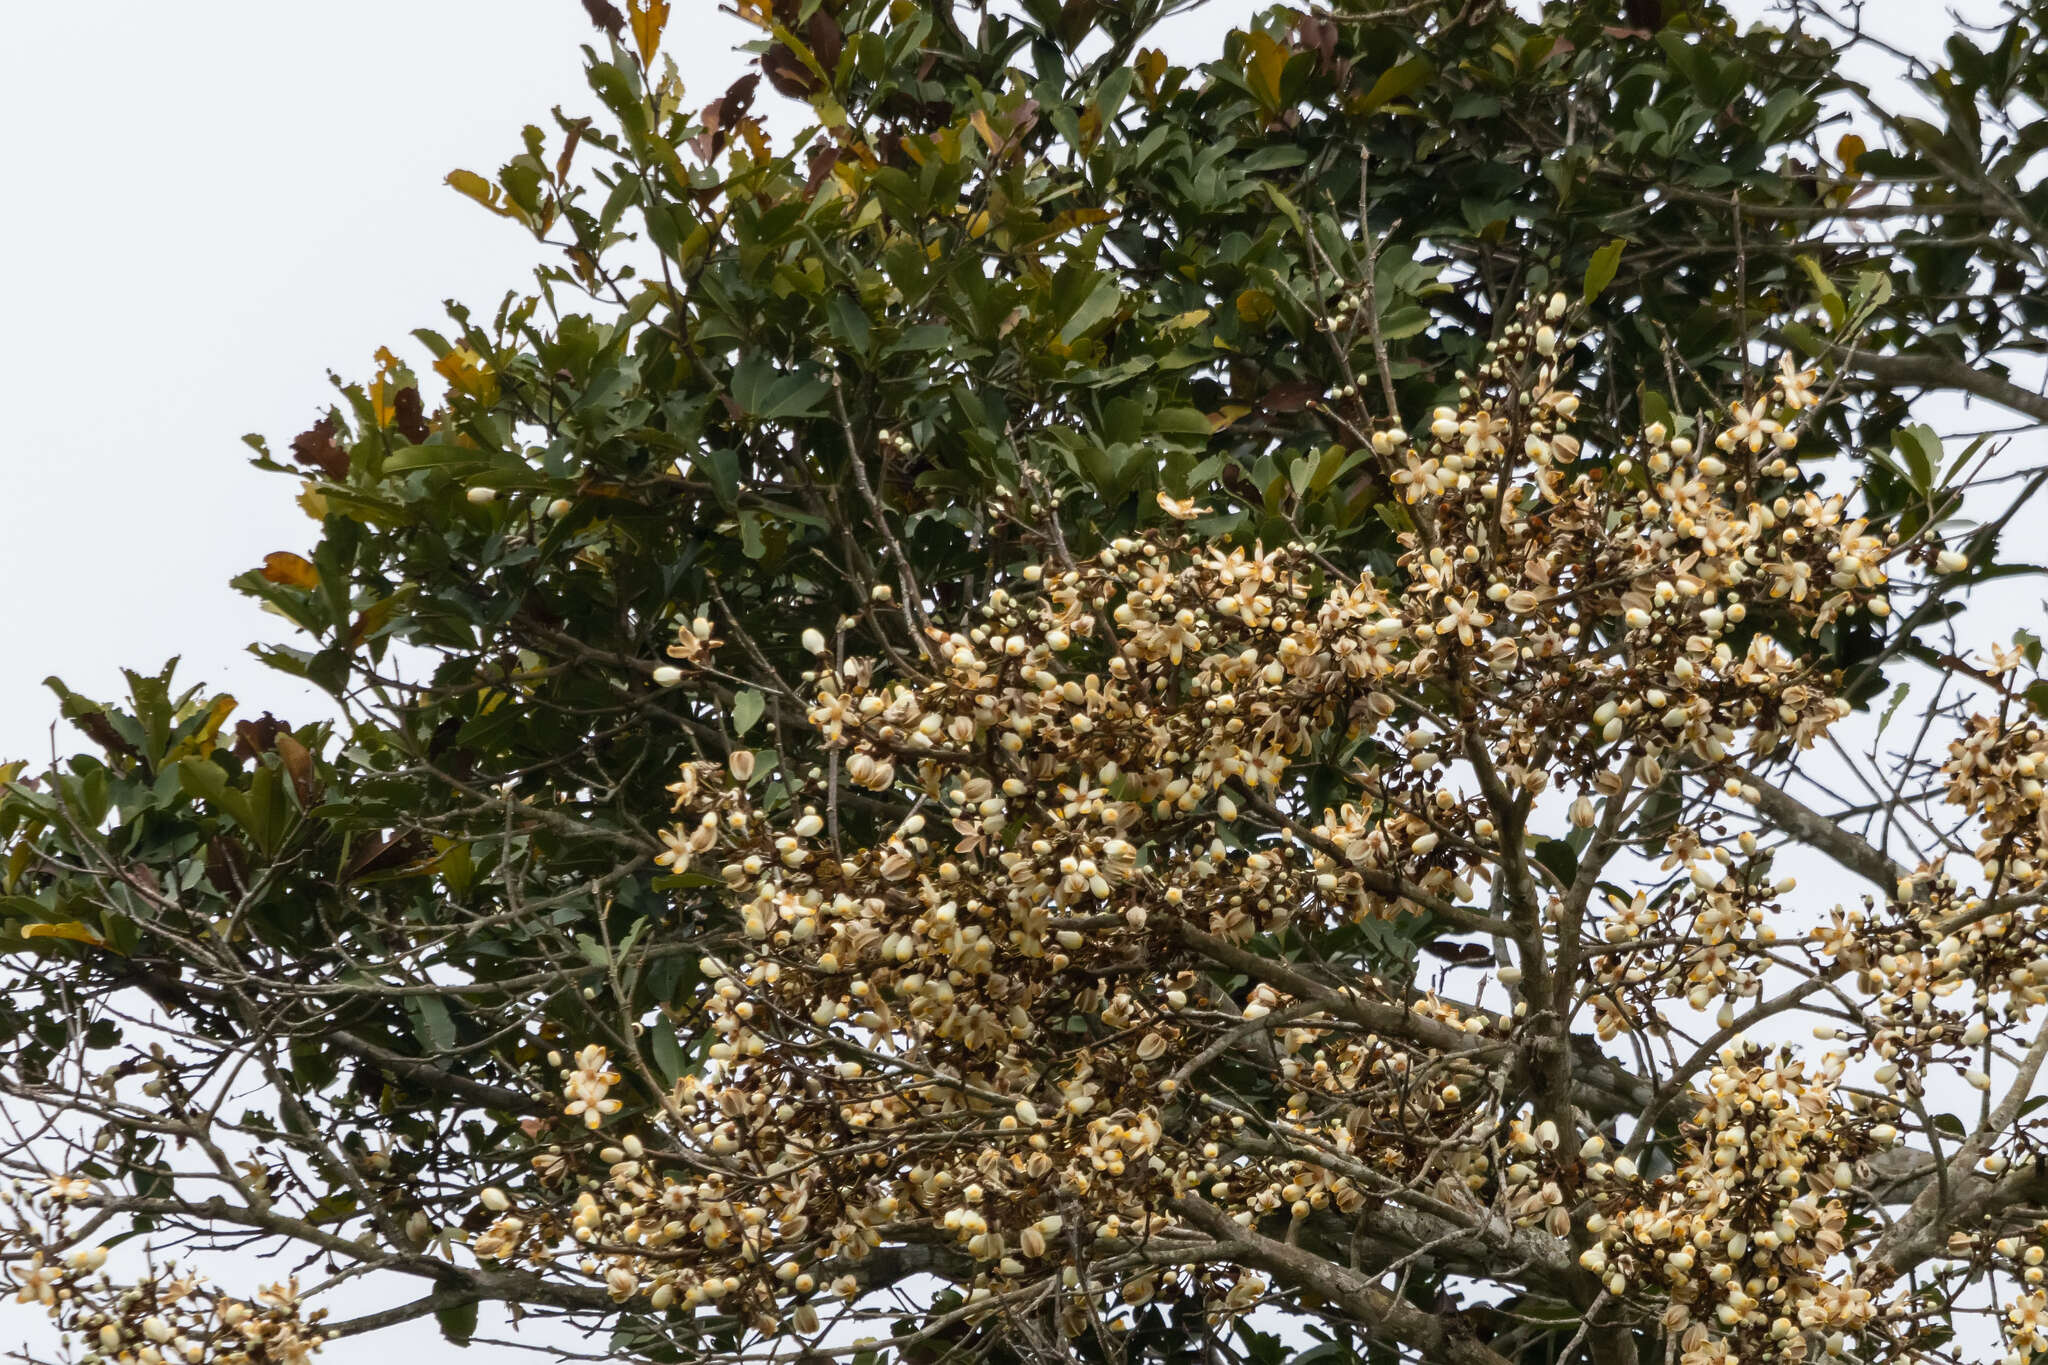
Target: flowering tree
[[943, 775]]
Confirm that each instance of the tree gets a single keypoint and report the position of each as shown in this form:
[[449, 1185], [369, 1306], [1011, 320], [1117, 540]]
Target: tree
[[439, 988]]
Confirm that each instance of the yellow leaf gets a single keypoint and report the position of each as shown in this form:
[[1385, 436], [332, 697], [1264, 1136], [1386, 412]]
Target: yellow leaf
[[1254, 306], [1401, 79], [648, 18], [70, 929], [1075, 218], [1850, 150], [312, 501], [1231, 412], [464, 370], [382, 389], [200, 742], [1181, 322], [756, 139], [1150, 65], [483, 191], [1265, 61], [290, 570], [668, 95]]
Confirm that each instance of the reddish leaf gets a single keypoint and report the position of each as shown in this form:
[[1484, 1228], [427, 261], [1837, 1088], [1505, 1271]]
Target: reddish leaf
[[384, 854], [787, 74], [409, 415], [605, 17], [724, 114], [227, 867], [102, 732], [1318, 36], [1292, 396], [828, 40], [253, 737], [316, 448], [823, 159]]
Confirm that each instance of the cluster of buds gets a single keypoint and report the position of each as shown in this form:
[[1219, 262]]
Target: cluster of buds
[[166, 1316], [980, 1009], [1743, 1237], [1104, 766]]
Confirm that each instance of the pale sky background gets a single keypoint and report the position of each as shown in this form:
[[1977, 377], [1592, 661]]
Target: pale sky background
[[216, 203]]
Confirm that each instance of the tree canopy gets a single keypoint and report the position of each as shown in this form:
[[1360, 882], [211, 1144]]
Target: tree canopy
[[1087, 708]]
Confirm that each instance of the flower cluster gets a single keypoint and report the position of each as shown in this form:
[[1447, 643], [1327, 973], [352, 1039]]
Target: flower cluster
[[982, 1009], [165, 1317], [1081, 974], [1741, 1236]]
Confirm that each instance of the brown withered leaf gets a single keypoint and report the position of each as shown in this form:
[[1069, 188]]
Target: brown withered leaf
[[738, 98], [828, 40], [823, 159], [1291, 396], [788, 74], [298, 763], [409, 415], [605, 16], [227, 866], [316, 448], [723, 114], [383, 853], [253, 737], [101, 731]]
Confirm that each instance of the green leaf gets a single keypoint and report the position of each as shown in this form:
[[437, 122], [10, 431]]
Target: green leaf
[[432, 1024], [458, 1322], [1921, 447], [1830, 297], [1402, 79], [1561, 858], [1286, 207], [746, 709], [1600, 270], [1100, 303], [669, 1062], [768, 394], [1892, 707], [206, 780]]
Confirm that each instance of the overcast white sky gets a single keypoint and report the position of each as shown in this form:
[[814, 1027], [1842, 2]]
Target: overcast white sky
[[214, 203]]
